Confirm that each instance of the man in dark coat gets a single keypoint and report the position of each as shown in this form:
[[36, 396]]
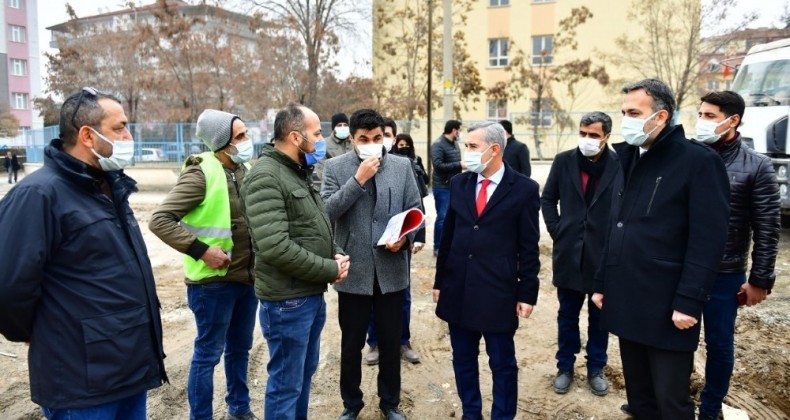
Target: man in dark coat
[[80, 289], [576, 202], [516, 152], [754, 214], [668, 228], [487, 269], [11, 166]]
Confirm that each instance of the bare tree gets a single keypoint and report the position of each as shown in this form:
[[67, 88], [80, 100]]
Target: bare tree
[[403, 55], [9, 124], [671, 43], [318, 23], [116, 61], [48, 110], [357, 93], [171, 64], [533, 77]]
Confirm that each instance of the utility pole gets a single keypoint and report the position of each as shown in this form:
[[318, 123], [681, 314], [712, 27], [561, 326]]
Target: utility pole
[[429, 96], [447, 59]]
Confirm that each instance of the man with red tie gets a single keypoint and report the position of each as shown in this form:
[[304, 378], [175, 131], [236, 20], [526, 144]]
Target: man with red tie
[[487, 268]]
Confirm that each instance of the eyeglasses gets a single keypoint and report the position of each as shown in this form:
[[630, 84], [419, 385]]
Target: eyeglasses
[[90, 91]]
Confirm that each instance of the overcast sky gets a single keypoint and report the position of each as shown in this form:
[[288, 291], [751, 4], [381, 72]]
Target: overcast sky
[[353, 61]]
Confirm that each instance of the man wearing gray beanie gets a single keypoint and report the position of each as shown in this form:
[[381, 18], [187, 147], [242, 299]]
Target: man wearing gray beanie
[[202, 217]]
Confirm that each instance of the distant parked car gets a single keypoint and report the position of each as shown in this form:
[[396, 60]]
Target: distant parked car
[[148, 154]]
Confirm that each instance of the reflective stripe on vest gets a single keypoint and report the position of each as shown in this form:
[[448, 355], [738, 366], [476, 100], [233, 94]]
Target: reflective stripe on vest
[[210, 220]]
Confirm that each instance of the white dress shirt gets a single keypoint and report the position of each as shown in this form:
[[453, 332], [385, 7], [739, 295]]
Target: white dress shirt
[[495, 179]]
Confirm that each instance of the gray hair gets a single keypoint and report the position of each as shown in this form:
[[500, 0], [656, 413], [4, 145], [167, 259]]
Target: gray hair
[[494, 133], [591, 118], [288, 119], [662, 95]]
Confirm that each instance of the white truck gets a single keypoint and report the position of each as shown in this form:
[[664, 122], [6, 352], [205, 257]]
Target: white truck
[[763, 79]]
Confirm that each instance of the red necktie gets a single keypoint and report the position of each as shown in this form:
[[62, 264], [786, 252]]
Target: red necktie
[[482, 197]]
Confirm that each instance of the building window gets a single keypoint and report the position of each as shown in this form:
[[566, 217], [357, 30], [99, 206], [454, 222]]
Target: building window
[[497, 109], [19, 100], [16, 4], [713, 85], [18, 67], [494, 3], [542, 49], [497, 52], [543, 117], [17, 33]]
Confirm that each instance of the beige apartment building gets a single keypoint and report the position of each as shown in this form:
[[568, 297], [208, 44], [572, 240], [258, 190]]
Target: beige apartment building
[[493, 30]]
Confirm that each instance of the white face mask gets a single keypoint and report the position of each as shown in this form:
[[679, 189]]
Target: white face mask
[[589, 147], [388, 143], [244, 152], [342, 132], [369, 150], [473, 161], [122, 153], [706, 130], [633, 129]]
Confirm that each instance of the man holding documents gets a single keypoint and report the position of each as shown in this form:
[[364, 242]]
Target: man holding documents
[[362, 190], [487, 268]]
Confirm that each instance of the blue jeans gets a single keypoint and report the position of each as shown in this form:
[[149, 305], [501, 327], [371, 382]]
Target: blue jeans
[[292, 329], [568, 340], [225, 318], [405, 335], [501, 351], [129, 408], [718, 319], [441, 197]]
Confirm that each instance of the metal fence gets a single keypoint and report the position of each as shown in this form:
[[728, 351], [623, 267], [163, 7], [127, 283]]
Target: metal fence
[[171, 143]]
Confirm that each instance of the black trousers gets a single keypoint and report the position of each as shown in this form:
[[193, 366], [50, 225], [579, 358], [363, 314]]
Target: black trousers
[[353, 314], [657, 381]]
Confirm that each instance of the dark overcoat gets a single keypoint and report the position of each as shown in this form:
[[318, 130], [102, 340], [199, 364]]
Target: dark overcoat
[[489, 263], [578, 231], [668, 228]]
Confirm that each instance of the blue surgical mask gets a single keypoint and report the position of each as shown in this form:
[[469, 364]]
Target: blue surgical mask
[[633, 130], [315, 157], [311, 158]]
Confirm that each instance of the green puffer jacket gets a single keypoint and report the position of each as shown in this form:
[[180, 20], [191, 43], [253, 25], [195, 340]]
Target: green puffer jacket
[[291, 234]]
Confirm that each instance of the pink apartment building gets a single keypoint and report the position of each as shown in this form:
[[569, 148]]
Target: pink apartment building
[[20, 78]]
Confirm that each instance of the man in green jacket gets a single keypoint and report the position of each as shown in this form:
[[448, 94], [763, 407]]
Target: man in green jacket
[[202, 218], [295, 258]]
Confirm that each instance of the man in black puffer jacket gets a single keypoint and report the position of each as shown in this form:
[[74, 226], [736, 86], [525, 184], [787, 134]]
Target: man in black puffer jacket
[[447, 163], [755, 212]]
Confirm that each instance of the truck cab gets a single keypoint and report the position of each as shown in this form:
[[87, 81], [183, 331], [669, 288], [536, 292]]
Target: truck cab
[[763, 80]]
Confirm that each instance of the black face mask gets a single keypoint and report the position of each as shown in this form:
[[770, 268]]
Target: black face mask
[[403, 150]]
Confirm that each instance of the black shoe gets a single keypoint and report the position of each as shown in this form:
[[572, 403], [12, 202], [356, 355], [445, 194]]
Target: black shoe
[[349, 414], [393, 414], [626, 409], [563, 381]]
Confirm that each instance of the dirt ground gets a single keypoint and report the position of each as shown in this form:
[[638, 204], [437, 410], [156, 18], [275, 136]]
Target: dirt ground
[[760, 384]]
